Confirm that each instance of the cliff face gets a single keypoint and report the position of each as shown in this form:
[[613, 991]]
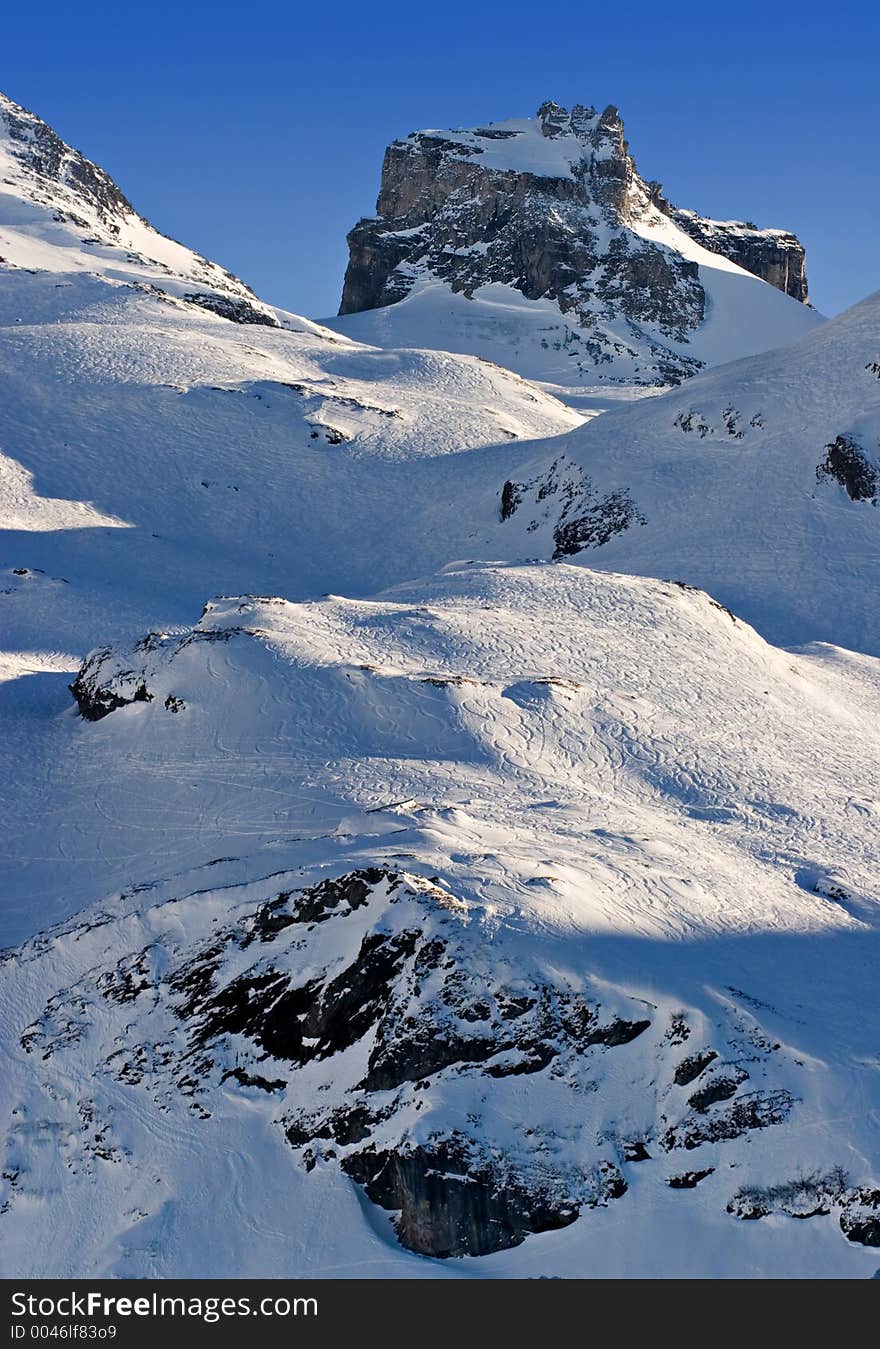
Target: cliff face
[[555, 209], [776, 256], [476, 221]]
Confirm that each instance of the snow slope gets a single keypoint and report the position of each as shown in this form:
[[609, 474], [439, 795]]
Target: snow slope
[[602, 797], [382, 932], [758, 482], [743, 316], [207, 441]]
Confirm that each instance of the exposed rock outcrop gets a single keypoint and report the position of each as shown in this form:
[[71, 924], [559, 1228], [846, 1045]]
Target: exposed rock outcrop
[[776, 256], [757, 1110], [582, 517], [689, 1180], [565, 223], [473, 1096], [816, 1196], [235, 309], [847, 463], [451, 1203], [692, 1066], [95, 699], [860, 1218]]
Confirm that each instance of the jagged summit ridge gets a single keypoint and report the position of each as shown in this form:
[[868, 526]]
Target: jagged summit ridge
[[558, 121], [776, 256], [554, 209]]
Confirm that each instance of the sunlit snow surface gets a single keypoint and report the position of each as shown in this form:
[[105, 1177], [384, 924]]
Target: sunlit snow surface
[[743, 314], [618, 780]]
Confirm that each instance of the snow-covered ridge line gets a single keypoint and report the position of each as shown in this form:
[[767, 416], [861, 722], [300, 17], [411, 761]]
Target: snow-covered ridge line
[[60, 212]]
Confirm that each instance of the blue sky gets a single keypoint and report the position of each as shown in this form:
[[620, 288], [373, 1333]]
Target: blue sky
[[255, 132]]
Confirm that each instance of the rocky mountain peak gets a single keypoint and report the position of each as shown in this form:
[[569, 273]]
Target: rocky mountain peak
[[554, 208], [584, 122]]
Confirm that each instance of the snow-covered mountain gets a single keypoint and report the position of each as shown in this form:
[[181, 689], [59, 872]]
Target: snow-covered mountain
[[476, 918], [160, 444], [61, 212], [536, 243], [758, 481]]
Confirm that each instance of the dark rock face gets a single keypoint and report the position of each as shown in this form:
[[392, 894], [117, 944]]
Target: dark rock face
[[450, 207], [776, 256], [94, 699], [757, 1110], [232, 308], [582, 517], [689, 1180], [612, 515], [691, 1067], [467, 1086], [450, 1204], [311, 1021], [721, 1088], [860, 1219], [330, 898], [256, 1005], [847, 463]]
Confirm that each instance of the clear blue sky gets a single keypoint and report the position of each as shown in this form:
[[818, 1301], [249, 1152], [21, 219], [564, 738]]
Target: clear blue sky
[[255, 132]]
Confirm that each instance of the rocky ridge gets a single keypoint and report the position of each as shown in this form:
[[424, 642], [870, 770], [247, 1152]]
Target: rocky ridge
[[556, 209], [77, 208]]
